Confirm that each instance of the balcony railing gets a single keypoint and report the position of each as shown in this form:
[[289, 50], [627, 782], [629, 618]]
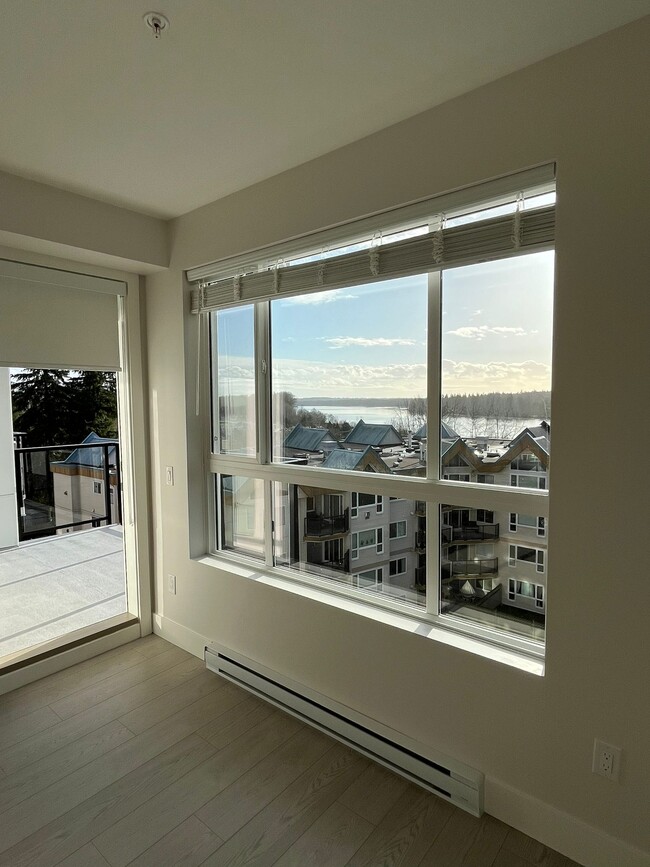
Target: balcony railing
[[420, 540], [470, 532], [56, 493], [327, 525], [469, 568]]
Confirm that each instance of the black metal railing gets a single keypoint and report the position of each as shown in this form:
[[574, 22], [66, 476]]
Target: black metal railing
[[421, 576], [327, 525], [420, 508], [470, 532], [420, 540], [469, 568], [47, 487], [341, 564]]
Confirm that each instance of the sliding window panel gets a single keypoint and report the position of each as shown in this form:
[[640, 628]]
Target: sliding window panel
[[240, 515], [233, 381]]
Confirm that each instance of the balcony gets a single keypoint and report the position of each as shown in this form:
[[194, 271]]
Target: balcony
[[68, 487], [455, 569], [421, 541], [470, 532], [321, 526], [67, 572], [339, 565]]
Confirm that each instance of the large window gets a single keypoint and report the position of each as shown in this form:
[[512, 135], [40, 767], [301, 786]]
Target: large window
[[330, 368]]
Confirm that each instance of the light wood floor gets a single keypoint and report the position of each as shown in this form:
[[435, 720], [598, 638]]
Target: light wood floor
[[143, 757]]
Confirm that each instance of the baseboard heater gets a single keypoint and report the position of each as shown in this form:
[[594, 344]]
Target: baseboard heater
[[451, 780]]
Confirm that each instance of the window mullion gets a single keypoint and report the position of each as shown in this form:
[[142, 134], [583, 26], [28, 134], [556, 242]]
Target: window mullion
[[263, 382], [434, 376]]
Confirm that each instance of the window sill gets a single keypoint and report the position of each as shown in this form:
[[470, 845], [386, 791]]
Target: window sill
[[515, 658]]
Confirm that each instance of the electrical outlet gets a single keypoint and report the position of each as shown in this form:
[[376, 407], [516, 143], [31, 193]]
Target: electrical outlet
[[171, 584], [607, 760]]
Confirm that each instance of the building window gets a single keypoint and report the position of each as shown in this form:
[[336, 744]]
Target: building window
[[519, 480], [369, 580], [526, 592], [291, 469], [527, 522], [522, 554], [361, 502]]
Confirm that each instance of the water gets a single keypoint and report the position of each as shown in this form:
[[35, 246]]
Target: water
[[464, 426]]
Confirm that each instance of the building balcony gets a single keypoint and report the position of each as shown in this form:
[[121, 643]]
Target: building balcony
[[421, 541], [65, 488], [471, 531], [456, 569], [324, 526], [420, 508]]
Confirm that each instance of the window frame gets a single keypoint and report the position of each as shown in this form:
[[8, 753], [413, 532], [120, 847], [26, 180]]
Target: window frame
[[433, 489]]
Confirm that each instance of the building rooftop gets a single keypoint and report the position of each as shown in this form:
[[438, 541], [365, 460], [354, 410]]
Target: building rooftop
[[90, 457], [373, 435], [351, 459], [309, 439]]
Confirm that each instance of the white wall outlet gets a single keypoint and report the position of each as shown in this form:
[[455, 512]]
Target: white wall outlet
[[607, 760], [171, 584], [169, 476]]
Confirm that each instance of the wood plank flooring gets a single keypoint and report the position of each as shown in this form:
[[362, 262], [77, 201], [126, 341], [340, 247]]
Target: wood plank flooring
[[142, 757]]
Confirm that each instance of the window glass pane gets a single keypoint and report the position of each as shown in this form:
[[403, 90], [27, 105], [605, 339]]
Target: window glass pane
[[241, 515], [488, 579], [355, 551], [233, 381], [349, 377], [496, 371]]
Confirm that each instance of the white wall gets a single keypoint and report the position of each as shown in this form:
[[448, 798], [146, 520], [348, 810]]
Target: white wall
[[585, 108]]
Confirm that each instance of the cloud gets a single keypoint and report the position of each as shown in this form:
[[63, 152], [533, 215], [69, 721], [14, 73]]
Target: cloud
[[340, 342], [479, 332], [347, 380], [467, 376], [319, 298]]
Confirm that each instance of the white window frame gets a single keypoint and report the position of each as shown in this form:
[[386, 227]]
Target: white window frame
[[435, 490], [540, 557]]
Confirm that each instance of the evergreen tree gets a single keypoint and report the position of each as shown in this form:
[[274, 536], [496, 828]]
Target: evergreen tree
[[54, 407], [40, 401], [93, 404]]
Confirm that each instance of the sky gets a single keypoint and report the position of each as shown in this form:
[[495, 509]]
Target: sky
[[370, 341]]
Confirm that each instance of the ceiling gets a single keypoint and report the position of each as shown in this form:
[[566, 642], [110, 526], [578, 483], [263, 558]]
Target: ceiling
[[239, 90]]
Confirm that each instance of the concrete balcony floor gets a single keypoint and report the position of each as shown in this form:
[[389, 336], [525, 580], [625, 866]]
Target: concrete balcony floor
[[53, 586]]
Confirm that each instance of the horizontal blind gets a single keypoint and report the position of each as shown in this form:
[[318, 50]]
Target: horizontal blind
[[57, 319], [525, 231], [491, 193]]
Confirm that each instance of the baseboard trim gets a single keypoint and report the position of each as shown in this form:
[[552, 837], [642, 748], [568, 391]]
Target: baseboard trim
[[559, 830], [180, 635]]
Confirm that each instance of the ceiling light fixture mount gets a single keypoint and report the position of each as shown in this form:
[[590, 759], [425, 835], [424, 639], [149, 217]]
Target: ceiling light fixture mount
[[157, 23]]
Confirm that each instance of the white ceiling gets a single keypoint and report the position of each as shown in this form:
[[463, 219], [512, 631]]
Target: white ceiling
[[239, 90]]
